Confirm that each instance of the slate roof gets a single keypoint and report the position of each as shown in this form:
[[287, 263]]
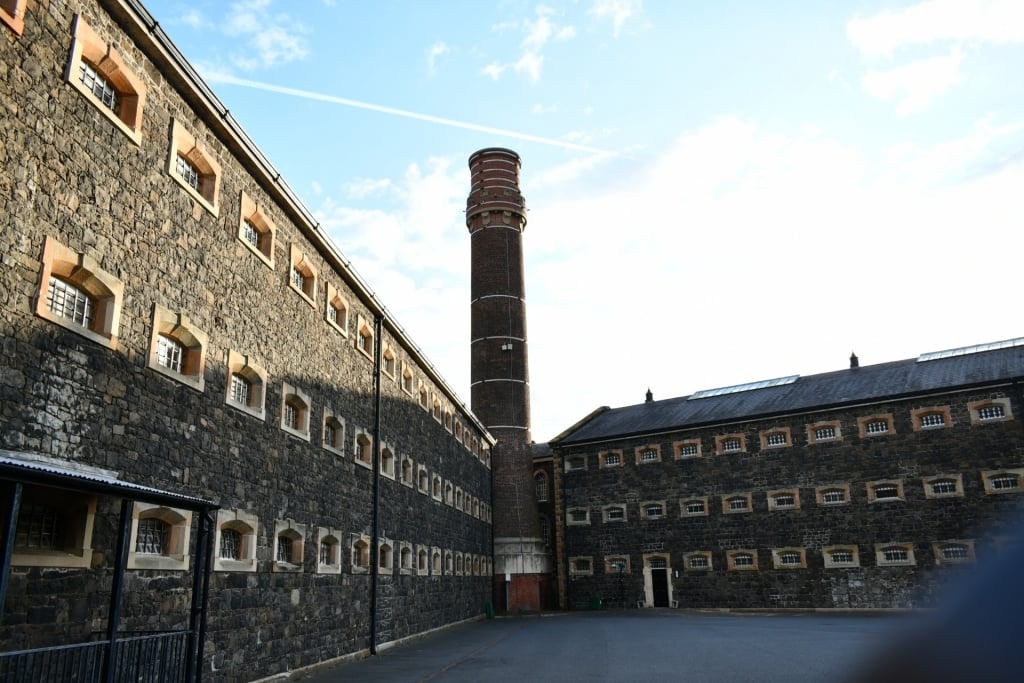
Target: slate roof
[[948, 370]]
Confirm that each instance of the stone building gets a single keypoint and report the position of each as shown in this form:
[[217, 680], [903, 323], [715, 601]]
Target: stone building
[[191, 369], [865, 487]]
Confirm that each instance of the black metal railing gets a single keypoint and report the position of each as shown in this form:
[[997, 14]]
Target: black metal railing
[[150, 658]]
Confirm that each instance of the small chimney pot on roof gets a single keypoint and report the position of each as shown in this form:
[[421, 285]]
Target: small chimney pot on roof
[[854, 361], [650, 396]]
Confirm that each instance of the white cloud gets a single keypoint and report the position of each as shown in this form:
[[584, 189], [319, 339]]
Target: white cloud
[[366, 187], [538, 32], [991, 21], [433, 52], [544, 108], [916, 84], [194, 19], [618, 11], [275, 38]]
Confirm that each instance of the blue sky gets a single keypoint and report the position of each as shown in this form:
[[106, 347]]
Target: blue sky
[[719, 192]]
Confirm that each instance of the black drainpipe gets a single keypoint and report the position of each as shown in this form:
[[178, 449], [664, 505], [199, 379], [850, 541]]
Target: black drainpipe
[[375, 543]]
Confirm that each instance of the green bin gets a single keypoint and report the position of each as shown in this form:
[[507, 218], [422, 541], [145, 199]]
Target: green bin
[[596, 602]]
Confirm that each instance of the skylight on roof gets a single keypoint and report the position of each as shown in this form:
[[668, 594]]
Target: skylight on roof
[[967, 350], [750, 386]]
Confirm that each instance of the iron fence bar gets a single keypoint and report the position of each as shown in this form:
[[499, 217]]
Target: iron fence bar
[[117, 589], [8, 544]]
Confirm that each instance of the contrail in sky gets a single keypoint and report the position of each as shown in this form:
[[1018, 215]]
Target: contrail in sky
[[334, 99]]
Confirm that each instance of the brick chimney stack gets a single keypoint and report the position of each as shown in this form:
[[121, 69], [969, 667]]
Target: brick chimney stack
[[499, 376]]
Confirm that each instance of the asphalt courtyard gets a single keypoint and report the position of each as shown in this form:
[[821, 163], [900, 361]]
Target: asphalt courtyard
[[634, 645]]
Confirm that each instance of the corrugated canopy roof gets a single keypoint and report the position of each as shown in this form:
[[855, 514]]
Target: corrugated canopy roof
[[940, 371], [34, 469]]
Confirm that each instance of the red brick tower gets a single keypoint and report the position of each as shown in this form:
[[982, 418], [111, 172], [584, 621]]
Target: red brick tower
[[500, 382]]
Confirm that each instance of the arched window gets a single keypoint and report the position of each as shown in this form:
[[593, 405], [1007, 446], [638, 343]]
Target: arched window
[[541, 481]]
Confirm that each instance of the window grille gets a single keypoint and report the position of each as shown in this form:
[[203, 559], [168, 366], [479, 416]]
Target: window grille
[[895, 554], [332, 314], [292, 415], [688, 450], [886, 491], [933, 420], [230, 544], [298, 279], [658, 563], [188, 172], [825, 433], [40, 527], [581, 565], [545, 531], [326, 552], [732, 445], [251, 233], [1004, 482], [955, 551], [654, 511], [617, 566], [695, 507], [743, 560], [330, 434], [992, 412], [877, 427], [776, 439], [541, 486], [833, 496], [240, 389], [943, 486], [841, 557], [389, 367], [69, 302], [99, 86], [615, 513], [366, 344], [284, 549], [169, 353], [612, 459], [152, 536], [738, 503], [789, 558], [699, 562], [648, 455], [785, 500]]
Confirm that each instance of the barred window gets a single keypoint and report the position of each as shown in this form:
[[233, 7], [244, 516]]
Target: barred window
[[943, 486], [654, 510], [877, 427], [152, 536], [833, 496], [695, 507], [326, 552], [841, 556], [540, 481], [1004, 482], [776, 439], [743, 560], [581, 564], [612, 459], [895, 554], [886, 491], [331, 437], [187, 172], [732, 445], [99, 86], [251, 233], [615, 513], [298, 279], [169, 353], [933, 420], [40, 527], [738, 503], [825, 434], [617, 566], [69, 302], [789, 558], [698, 562], [240, 389], [784, 500], [291, 416], [992, 412], [955, 552], [648, 455], [689, 450], [230, 544], [284, 549]]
